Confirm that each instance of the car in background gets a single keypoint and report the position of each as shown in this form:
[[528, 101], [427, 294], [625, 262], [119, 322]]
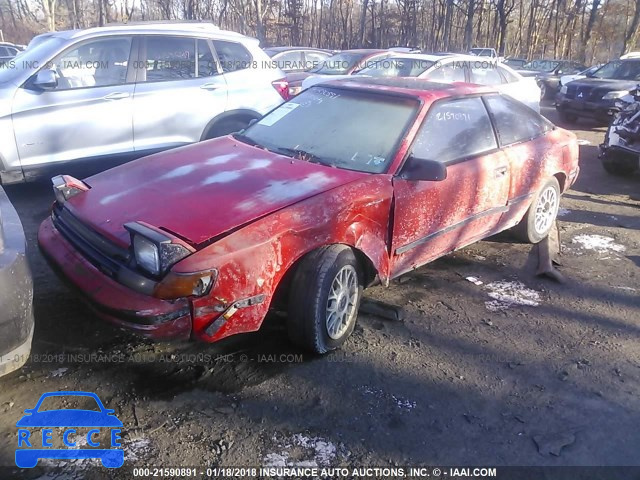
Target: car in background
[[548, 72], [595, 97], [297, 59], [484, 52], [342, 64], [456, 68], [8, 51], [126, 90], [564, 79], [16, 291], [351, 182], [516, 63]]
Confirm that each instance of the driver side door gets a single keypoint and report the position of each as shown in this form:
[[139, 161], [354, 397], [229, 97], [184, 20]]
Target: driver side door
[[90, 111], [432, 218]]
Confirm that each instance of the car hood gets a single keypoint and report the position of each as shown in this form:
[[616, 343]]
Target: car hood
[[605, 84], [201, 191], [529, 73]]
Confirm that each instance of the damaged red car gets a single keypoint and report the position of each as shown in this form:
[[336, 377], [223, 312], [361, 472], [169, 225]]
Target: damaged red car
[[350, 183]]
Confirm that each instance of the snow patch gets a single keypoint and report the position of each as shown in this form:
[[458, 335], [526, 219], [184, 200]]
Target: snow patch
[[598, 243], [563, 212], [58, 372], [302, 451], [506, 294], [401, 403]]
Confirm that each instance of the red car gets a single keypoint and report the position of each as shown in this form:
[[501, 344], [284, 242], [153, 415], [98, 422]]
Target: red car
[[350, 183]]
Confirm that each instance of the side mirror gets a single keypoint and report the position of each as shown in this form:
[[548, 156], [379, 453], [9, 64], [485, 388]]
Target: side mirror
[[45, 80], [421, 169], [559, 72]]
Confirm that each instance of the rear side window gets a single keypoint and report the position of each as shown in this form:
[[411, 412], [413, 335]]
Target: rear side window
[[170, 58], [233, 56], [488, 75], [290, 61], [515, 122], [455, 129], [206, 62], [451, 72]]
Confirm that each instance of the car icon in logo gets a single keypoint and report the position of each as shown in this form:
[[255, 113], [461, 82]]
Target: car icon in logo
[[580, 94], [32, 446]]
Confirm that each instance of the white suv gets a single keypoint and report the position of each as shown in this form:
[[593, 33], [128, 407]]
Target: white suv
[[123, 89]]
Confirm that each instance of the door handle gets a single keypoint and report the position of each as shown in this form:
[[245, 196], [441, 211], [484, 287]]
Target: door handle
[[500, 172], [116, 96], [210, 86]]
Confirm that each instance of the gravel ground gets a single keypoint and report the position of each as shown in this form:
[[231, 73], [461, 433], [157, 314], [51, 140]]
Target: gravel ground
[[516, 370]]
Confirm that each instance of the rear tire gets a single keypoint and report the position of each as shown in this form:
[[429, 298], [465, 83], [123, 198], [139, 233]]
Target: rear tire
[[541, 216], [324, 299], [226, 127]]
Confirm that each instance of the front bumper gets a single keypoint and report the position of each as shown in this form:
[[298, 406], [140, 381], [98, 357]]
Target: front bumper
[[601, 110], [148, 316], [16, 291]]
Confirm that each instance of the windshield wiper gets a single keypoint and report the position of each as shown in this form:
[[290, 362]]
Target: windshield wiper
[[300, 155], [248, 140]]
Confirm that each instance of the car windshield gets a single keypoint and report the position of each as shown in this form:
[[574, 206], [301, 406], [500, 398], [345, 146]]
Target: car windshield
[[31, 60], [541, 65], [69, 402], [339, 64], [347, 129], [397, 67], [619, 70]]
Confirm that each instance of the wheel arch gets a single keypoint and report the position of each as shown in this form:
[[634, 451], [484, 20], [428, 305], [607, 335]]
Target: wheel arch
[[237, 114], [562, 180]]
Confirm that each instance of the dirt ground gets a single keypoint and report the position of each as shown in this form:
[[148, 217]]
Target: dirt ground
[[517, 370]]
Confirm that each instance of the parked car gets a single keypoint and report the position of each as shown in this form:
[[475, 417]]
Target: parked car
[[129, 89], [345, 63], [548, 72], [457, 68], [8, 51], [16, 291], [297, 59], [350, 182], [484, 52], [564, 79], [516, 63], [620, 151], [595, 97]]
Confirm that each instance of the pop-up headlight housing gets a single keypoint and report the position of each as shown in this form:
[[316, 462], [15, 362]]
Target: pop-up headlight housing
[[66, 187], [156, 251]]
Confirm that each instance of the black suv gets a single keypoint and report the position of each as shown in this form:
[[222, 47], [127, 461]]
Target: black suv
[[595, 97], [548, 73]]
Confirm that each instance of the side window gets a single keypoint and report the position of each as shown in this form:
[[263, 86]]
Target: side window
[[455, 129], [486, 76], [448, 73], [508, 76], [514, 121], [313, 59], [206, 63], [170, 58], [290, 61], [233, 56], [97, 63], [12, 51], [4, 52]]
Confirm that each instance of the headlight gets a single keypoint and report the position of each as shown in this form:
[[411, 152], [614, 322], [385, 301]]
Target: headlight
[[155, 251], [293, 91], [563, 89], [615, 94], [180, 285]]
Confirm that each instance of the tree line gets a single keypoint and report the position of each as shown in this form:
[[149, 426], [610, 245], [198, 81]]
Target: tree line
[[588, 31]]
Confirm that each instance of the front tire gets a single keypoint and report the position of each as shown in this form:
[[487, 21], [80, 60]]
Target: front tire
[[226, 127], [542, 213], [324, 299]]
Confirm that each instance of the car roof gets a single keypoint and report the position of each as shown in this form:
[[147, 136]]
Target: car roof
[[410, 86], [285, 49], [153, 28]]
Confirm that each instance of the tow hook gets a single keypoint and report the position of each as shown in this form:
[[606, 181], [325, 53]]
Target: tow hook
[[231, 310]]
